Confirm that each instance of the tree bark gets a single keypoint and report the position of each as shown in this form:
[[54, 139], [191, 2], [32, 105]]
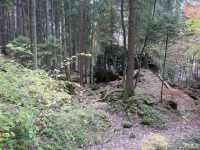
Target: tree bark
[[81, 59], [131, 49], [124, 40], [3, 29], [48, 20], [34, 35], [164, 66]]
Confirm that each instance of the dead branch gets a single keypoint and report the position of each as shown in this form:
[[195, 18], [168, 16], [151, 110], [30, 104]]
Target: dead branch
[[108, 94]]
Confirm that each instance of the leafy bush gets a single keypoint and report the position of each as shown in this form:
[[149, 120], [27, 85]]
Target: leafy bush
[[151, 117], [194, 52], [19, 83], [36, 112], [19, 45], [72, 126], [50, 47], [17, 130], [193, 26]]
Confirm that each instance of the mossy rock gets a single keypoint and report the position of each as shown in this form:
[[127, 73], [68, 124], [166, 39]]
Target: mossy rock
[[155, 142], [190, 144]]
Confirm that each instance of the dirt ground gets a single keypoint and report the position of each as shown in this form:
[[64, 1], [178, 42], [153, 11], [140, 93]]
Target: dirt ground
[[178, 127]]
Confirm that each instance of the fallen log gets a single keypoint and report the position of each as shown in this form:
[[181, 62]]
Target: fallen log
[[167, 85]]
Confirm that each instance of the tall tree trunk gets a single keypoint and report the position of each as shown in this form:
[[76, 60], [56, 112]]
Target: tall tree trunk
[[131, 49], [124, 40], [48, 20], [81, 61], [123, 25], [34, 34], [2, 29], [164, 66], [154, 8]]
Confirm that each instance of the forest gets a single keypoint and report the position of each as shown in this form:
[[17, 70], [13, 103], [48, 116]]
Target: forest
[[99, 75]]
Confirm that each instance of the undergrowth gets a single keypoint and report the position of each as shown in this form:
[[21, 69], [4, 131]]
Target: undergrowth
[[140, 104], [193, 26], [36, 112]]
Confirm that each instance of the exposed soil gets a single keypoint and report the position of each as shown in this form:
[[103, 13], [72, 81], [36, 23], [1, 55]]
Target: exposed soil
[[178, 126]]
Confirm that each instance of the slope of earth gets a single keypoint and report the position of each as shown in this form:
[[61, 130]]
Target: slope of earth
[[131, 134], [38, 113]]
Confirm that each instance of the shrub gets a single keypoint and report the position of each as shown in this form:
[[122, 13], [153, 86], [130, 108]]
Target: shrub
[[36, 112], [151, 117], [17, 130], [193, 26], [72, 126], [19, 84], [20, 45]]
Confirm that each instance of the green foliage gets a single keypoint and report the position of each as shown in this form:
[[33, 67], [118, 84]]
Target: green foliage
[[194, 52], [188, 144], [151, 117], [193, 26], [18, 83], [6, 3], [37, 112], [72, 126], [50, 47], [17, 130], [19, 45], [106, 15], [139, 104]]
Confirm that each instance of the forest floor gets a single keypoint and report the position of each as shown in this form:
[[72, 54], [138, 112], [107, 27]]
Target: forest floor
[[182, 122], [178, 127]]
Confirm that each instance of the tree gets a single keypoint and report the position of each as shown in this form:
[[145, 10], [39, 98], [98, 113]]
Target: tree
[[129, 88], [2, 29], [124, 39], [4, 7], [34, 34], [82, 44]]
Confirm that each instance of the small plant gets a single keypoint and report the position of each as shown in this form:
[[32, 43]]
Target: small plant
[[151, 117]]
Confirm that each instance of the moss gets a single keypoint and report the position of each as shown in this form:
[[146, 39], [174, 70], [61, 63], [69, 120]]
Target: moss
[[140, 104], [152, 117], [189, 144]]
